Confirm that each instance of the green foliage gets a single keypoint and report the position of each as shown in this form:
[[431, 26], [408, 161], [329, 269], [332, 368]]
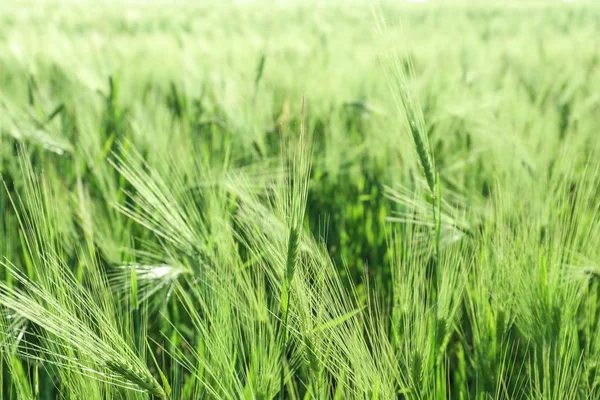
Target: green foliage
[[212, 201]]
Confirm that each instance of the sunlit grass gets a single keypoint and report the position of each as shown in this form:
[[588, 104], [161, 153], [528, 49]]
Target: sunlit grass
[[318, 201]]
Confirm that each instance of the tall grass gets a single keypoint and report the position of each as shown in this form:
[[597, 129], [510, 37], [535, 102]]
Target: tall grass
[[218, 202]]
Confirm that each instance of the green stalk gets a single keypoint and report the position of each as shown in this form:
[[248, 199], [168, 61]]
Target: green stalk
[[292, 256], [437, 217]]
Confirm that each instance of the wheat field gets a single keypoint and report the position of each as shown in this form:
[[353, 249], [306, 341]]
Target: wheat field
[[299, 200]]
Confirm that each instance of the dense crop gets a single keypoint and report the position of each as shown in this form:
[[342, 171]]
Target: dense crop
[[316, 200]]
